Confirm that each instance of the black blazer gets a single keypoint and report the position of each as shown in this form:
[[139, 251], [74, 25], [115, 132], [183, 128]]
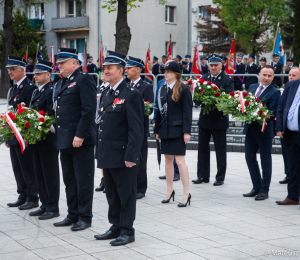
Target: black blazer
[[285, 103], [251, 70], [216, 119], [75, 110], [21, 94], [278, 70], [286, 79], [155, 69], [178, 120], [43, 100], [121, 131], [240, 69], [270, 99], [146, 91], [205, 69]]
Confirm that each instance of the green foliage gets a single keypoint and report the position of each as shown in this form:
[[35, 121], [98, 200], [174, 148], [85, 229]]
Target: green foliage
[[111, 5], [296, 40], [251, 20], [23, 36]]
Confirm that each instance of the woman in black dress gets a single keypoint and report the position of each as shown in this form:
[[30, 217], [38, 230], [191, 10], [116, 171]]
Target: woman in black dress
[[173, 127]]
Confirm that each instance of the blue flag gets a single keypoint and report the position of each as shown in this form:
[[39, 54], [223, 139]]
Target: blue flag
[[278, 49], [39, 56]]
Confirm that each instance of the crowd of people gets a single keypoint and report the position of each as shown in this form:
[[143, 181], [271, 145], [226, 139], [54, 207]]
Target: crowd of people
[[113, 130]]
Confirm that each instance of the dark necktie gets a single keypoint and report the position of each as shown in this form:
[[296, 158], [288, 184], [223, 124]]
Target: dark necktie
[[259, 91], [13, 89], [111, 91], [132, 84], [213, 79]]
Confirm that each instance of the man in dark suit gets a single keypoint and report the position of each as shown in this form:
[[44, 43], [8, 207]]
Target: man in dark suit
[[204, 65], [224, 61], [184, 68], [121, 136], [289, 66], [256, 139], [155, 67], [91, 67], [75, 106], [263, 62], [134, 67], [250, 69], [22, 163], [239, 68], [189, 63], [178, 59], [30, 68], [277, 65], [213, 124], [287, 127], [45, 153]]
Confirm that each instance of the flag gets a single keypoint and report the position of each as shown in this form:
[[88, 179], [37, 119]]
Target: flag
[[229, 67], [195, 68], [52, 54], [169, 54], [39, 55], [26, 55], [84, 67], [148, 78], [278, 46], [101, 57]]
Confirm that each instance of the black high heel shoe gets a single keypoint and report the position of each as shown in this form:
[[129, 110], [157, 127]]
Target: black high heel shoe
[[172, 196], [188, 201]]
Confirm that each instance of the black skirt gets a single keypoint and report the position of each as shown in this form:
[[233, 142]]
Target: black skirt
[[173, 146]]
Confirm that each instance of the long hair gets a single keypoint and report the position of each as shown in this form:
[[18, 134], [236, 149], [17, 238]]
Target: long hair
[[177, 88]]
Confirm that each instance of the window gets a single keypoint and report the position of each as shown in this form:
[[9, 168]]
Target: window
[[76, 8], [172, 47], [203, 13], [77, 44], [170, 14]]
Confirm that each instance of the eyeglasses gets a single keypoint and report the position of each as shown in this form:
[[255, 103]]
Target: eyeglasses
[[10, 70]]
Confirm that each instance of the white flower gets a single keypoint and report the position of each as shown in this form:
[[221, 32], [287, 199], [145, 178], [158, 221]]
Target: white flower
[[23, 104], [208, 86], [199, 87], [40, 123], [223, 93], [19, 129], [229, 97], [10, 107], [236, 95], [39, 127], [205, 83], [259, 118], [239, 105]]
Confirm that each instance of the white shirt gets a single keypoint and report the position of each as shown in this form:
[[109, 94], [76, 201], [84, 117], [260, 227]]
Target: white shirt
[[134, 83], [293, 125], [251, 64], [40, 87], [117, 85], [70, 75], [264, 88], [19, 82], [172, 85], [212, 76]]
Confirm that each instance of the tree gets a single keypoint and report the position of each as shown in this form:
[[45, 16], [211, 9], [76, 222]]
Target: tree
[[296, 40], [123, 35], [215, 35], [251, 20], [287, 25]]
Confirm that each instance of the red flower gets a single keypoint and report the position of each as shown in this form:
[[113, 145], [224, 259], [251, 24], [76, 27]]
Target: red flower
[[245, 94], [19, 106], [189, 81], [3, 125], [1, 116], [215, 88], [12, 116], [201, 80], [231, 93], [246, 103], [201, 91], [21, 110], [42, 113], [257, 99], [42, 120], [217, 94], [209, 83], [27, 125], [148, 102], [260, 112]]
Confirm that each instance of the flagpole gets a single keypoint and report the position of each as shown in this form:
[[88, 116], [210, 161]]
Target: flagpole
[[274, 43]]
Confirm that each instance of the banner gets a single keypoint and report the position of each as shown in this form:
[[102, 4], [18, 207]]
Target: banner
[[148, 78], [26, 55], [229, 67], [195, 68], [169, 54], [278, 46], [84, 67]]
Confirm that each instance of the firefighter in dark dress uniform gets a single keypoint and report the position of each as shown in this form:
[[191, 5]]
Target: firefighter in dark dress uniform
[[251, 68], [277, 65], [45, 153], [263, 62], [239, 68], [22, 163]]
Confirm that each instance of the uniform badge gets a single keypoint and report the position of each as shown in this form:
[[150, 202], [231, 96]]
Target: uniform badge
[[101, 109], [119, 101], [72, 78], [114, 106], [219, 78], [116, 92], [72, 85], [22, 86]]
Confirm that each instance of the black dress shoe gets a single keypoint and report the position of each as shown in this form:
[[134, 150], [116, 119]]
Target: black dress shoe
[[107, 235], [37, 212], [17, 203], [66, 222], [104, 191], [81, 225], [48, 215], [176, 177], [261, 196], [218, 183], [162, 177], [140, 195], [122, 240], [252, 193], [101, 185], [28, 205], [285, 180], [200, 180]]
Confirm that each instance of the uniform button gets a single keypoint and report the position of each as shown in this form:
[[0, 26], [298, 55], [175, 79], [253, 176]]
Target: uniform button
[[57, 116], [99, 140], [57, 106], [123, 146], [58, 97], [101, 121], [59, 126], [100, 130]]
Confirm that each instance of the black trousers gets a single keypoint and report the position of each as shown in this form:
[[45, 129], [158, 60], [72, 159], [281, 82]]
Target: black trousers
[[142, 168], [286, 169], [252, 144], [120, 186], [292, 149], [238, 87], [47, 176], [78, 166], [219, 137], [24, 173]]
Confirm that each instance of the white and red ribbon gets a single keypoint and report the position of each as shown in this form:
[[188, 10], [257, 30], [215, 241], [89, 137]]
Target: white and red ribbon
[[242, 101], [263, 127], [16, 131]]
